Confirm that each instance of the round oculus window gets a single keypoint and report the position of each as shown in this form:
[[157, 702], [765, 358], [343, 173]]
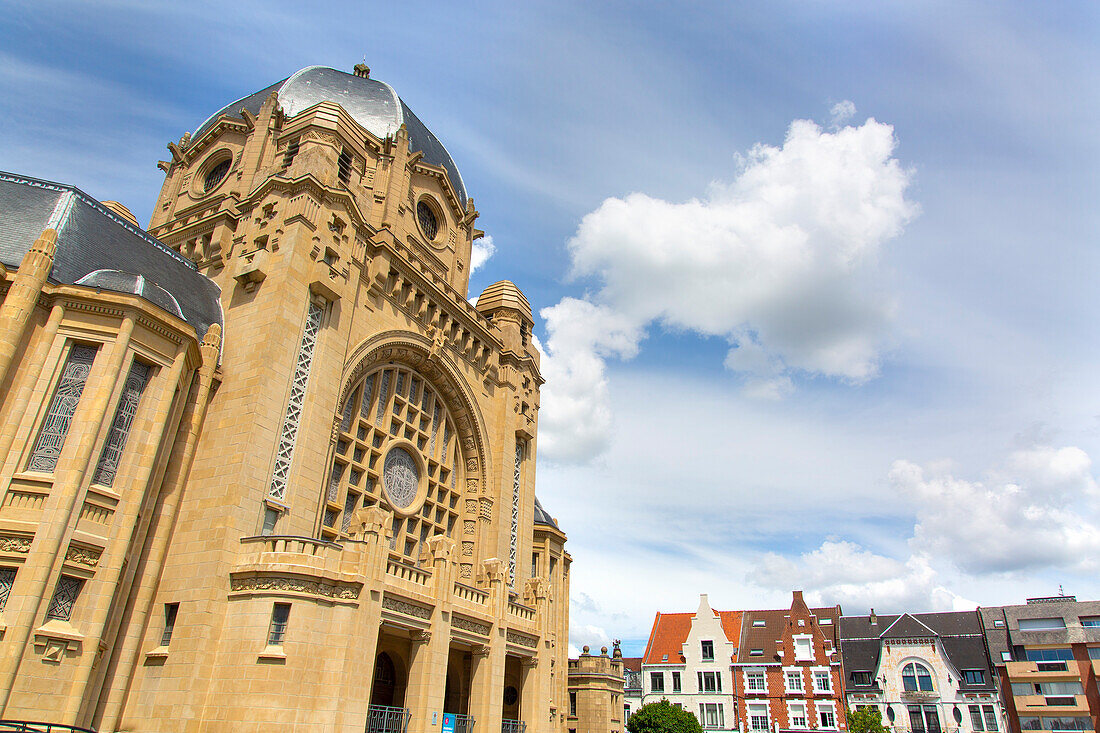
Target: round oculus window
[[511, 695], [215, 175], [401, 478], [429, 223]]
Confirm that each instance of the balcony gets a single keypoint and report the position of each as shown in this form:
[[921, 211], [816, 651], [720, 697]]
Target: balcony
[[382, 719], [462, 723], [512, 726], [33, 727]]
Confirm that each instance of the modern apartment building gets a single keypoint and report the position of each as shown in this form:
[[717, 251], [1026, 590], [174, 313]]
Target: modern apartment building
[[925, 672], [1047, 656], [787, 673]]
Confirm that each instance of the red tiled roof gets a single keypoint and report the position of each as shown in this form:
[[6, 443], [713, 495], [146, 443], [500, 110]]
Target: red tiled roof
[[632, 664], [670, 631]]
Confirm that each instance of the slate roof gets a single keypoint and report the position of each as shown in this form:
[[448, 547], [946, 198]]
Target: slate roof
[[543, 517], [91, 238], [959, 632], [373, 104]]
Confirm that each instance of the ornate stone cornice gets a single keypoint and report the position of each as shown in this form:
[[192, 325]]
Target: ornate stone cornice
[[311, 586], [407, 608], [515, 637]]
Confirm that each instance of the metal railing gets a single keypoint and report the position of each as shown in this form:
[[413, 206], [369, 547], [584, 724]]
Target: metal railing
[[512, 726], [31, 726], [464, 723], [383, 719]]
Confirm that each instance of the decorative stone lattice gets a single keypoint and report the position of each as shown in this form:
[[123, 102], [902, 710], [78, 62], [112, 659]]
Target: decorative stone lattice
[[514, 535], [64, 598], [120, 427], [289, 435], [51, 438]]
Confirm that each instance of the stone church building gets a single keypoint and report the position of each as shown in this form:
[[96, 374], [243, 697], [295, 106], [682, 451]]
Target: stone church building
[[263, 466]]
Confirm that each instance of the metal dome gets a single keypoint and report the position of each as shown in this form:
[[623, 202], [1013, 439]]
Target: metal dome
[[373, 104]]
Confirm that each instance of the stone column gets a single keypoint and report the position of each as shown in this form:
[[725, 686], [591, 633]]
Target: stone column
[[111, 564], [530, 697], [428, 675], [22, 297], [487, 684], [179, 467]]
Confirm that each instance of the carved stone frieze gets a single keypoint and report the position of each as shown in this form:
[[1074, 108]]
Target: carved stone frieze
[[399, 605], [15, 543], [469, 624], [86, 556], [515, 637], [322, 588]]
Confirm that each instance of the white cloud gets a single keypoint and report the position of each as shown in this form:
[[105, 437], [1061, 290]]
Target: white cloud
[[841, 112], [1034, 512], [482, 250], [782, 261]]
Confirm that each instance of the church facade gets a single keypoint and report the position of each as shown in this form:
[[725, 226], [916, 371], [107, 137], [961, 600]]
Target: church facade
[[264, 465]]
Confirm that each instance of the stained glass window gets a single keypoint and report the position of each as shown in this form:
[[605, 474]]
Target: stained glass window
[[399, 436], [64, 598], [7, 578], [120, 428], [51, 438]]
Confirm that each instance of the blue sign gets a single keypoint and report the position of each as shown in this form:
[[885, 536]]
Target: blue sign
[[448, 723]]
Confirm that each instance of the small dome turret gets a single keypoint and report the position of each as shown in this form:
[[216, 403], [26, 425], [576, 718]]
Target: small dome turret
[[503, 294]]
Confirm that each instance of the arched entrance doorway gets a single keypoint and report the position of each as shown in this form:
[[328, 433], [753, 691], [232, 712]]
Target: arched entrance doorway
[[385, 681]]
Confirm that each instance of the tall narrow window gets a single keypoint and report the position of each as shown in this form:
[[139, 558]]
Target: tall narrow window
[[280, 614], [514, 536], [289, 433], [271, 518], [291, 151], [344, 166], [707, 648], [64, 598], [66, 396], [170, 612], [7, 578], [120, 427]]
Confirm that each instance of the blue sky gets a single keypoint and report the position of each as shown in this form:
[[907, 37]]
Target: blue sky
[[894, 406]]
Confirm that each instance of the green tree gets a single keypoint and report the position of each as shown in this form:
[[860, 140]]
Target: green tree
[[663, 717], [865, 720]]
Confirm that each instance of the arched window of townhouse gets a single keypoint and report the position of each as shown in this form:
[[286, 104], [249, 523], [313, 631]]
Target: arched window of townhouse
[[915, 676]]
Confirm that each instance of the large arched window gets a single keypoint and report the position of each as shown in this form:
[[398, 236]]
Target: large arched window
[[916, 677], [397, 448]]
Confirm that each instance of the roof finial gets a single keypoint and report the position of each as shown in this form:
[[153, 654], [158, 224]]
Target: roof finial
[[362, 70]]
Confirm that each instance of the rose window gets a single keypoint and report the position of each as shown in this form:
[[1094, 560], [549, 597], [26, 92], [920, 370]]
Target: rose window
[[395, 439]]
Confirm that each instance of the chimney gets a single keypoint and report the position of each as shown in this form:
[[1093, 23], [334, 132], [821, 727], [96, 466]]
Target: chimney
[[874, 618], [362, 70]]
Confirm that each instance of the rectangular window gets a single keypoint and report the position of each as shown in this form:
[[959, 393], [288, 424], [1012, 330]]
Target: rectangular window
[[710, 682], [794, 681], [132, 390], [916, 719], [1094, 652], [756, 652], [675, 681], [170, 612], [798, 714], [803, 649], [758, 717], [1063, 723], [976, 721], [754, 681], [280, 614], [1061, 654], [64, 598], [990, 717], [271, 518], [66, 396], [7, 578], [862, 677], [711, 715], [828, 716], [1042, 624], [823, 682], [656, 681], [999, 623], [759, 622], [974, 676], [573, 703], [534, 565], [1090, 621], [708, 650]]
